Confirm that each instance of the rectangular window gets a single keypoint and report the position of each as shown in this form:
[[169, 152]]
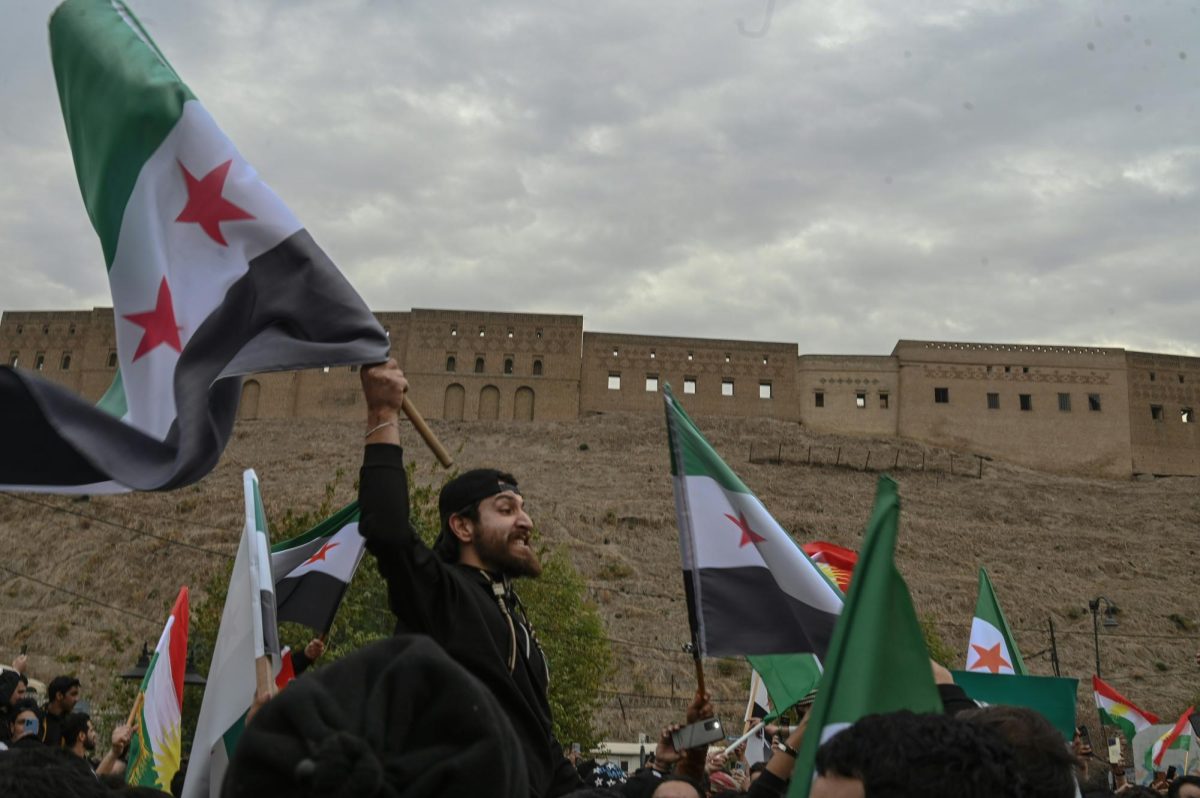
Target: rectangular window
[[941, 395], [39, 361], [454, 329], [510, 332], [1152, 376], [764, 389], [1064, 402], [538, 333], [819, 399], [614, 380], [112, 358], [993, 400], [482, 331], [884, 401], [324, 369], [860, 399], [651, 383], [652, 354], [1156, 412], [727, 386], [689, 384], [1094, 402], [1187, 415], [1026, 401]]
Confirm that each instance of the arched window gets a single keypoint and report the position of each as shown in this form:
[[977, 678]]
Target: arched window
[[112, 359], [451, 364], [537, 368], [478, 365]]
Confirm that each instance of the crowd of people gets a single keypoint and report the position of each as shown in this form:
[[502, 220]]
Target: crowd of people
[[456, 702]]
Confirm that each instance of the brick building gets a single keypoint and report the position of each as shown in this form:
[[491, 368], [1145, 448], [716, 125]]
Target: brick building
[[1091, 410]]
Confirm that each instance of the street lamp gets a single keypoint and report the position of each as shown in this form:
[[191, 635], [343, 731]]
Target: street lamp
[[1110, 621], [138, 671]]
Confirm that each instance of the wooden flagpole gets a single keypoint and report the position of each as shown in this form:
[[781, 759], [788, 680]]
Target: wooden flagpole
[[137, 708], [426, 433]]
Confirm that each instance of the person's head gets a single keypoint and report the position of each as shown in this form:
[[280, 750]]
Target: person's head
[[1045, 762], [47, 773], [12, 688], [901, 753], [27, 720], [484, 524], [78, 734], [62, 693], [676, 787], [1185, 787], [756, 770]]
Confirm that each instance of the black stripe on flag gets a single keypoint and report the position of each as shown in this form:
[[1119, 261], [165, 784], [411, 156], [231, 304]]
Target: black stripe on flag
[[745, 612], [311, 599]]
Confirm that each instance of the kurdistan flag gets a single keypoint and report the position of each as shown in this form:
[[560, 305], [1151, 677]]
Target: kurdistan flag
[[992, 647], [1117, 710], [156, 748], [248, 633], [212, 277], [1175, 738], [877, 661], [749, 587], [313, 570]]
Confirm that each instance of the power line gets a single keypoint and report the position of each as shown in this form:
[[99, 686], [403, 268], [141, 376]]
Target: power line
[[116, 525], [123, 610]]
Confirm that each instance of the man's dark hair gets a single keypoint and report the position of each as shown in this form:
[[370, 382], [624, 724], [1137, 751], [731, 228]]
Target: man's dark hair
[[461, 496], [1046, 764], [934, 756], [1179, 783], [74, 725], [47, 773], [60, 685], [758, 767]]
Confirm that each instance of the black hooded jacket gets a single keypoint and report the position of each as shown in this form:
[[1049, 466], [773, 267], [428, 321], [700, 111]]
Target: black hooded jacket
[[456, 605]]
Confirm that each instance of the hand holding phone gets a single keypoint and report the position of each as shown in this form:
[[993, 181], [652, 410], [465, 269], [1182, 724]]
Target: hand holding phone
[[694, 735]]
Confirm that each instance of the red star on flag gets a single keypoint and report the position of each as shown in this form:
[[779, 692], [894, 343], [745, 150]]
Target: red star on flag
[[748, 535], [159, 324], [205, 205], [989, 658], [320, 555]]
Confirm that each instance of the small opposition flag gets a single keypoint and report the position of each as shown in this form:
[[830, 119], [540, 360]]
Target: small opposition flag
[[758, 748], [248, 632], [212, 277], [1117, 710], [156, 748], [836, 561], [877, 661], [992, 648], [1051, 696], [313, 570], [750, 589]]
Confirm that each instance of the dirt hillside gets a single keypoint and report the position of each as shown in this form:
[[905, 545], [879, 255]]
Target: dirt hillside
[[600, 489]]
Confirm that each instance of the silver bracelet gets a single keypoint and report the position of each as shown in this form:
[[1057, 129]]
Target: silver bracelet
[[378, 427]]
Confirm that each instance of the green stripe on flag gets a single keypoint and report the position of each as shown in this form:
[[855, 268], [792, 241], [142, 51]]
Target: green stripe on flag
[[1124, 724], [120, 99], [699, 458], [324, 529], [114, 402], [877, 660], [260, 513]]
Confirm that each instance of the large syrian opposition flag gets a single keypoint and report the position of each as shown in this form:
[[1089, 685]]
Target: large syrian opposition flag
[[156, 748], [749, 587], [248, 633], [212, 277], [1117, 710], [877, 661], [313, 570], [991, 647]]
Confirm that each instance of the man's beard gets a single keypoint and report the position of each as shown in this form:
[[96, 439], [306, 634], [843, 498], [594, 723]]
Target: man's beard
[[495, 551]]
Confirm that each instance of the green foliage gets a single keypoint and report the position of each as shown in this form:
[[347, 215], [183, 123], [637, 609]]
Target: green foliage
[[1182, 623], [939, 652], [568, 626], [613, 571]]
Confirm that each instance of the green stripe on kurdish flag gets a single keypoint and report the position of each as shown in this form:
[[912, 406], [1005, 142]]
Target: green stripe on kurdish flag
[[1117, 710], [212, 277], [992, 648], [877, 661], [750, 589]]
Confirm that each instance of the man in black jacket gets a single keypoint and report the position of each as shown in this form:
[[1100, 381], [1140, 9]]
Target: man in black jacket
[[460, 593]]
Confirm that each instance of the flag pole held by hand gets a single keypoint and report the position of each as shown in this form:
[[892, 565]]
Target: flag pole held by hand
[[137, 708], [426, 433]]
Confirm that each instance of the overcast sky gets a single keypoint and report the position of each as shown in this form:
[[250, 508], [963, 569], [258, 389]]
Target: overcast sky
[[857, 173]]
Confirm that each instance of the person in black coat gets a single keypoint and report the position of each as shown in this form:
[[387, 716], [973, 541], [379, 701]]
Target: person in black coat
[[460, 593]]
